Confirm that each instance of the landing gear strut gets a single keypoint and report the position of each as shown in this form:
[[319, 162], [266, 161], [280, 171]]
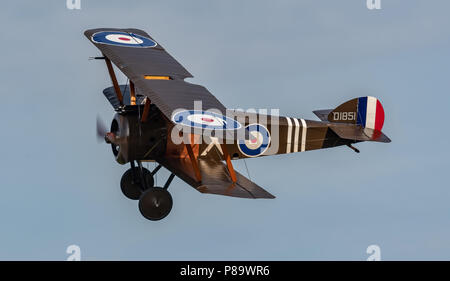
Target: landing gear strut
[[155, 203], [136, 180]]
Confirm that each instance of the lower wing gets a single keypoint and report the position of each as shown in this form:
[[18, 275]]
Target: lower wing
[[215, 178]]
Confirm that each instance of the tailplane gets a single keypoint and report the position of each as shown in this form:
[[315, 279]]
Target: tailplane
[[359, 119]]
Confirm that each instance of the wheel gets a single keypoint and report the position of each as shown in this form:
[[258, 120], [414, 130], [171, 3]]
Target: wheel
[[155, 203], [132, 188]]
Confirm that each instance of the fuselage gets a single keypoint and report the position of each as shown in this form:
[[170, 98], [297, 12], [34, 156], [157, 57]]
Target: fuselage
[[259, 135]]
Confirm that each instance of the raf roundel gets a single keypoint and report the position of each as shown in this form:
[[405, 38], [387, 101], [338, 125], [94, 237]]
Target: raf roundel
[[257, 142], [205, 120], [125, 39]]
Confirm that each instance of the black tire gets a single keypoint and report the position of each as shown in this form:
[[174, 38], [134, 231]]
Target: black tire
[[155, 203], [132, 188]]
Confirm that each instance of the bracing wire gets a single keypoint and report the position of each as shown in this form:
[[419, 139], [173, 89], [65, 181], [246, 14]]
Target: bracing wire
[[156, 175], [126, 86]]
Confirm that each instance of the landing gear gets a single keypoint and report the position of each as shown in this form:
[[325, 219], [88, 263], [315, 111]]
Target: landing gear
[[136, 180], [156, 202], [131, 184]]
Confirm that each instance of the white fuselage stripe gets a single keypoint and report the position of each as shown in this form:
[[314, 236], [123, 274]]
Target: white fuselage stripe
[[370, 113], [304, 128], [297, 131], [289, 135]]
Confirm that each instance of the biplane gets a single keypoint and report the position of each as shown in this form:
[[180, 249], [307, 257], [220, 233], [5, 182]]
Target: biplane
[[157, 120]]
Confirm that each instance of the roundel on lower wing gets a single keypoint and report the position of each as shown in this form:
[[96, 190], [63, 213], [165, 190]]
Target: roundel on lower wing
[[118, 38], [256, 142], [205, 120]]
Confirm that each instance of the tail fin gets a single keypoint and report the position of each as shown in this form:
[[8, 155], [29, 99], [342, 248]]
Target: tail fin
[[365, 112]]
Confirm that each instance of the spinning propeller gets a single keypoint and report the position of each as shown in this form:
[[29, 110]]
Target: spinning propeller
[[104, 135]]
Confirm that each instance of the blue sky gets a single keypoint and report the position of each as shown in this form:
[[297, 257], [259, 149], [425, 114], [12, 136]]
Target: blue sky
[[60, 187]]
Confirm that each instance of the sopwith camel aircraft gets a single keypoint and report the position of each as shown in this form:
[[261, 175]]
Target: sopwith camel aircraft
[[157, 120]]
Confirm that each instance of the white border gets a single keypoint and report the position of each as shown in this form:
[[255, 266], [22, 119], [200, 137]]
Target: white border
[[268, 144], [207, 112], [132, 46]]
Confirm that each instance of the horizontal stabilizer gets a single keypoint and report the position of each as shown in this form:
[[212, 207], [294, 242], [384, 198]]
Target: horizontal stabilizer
[[358, 133], [322, 114]]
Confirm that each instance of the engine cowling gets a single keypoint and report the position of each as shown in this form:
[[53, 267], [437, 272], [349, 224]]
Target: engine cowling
[[137, 140]]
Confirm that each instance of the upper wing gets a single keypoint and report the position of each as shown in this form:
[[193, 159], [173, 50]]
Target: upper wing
[[143, 60], [215, 178], [170, 95]]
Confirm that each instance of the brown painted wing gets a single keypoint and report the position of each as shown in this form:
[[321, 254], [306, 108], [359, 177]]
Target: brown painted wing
[[215, 178], [136, 63]]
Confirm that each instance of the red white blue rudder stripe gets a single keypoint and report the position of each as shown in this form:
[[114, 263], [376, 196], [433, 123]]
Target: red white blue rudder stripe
[[370, 113]]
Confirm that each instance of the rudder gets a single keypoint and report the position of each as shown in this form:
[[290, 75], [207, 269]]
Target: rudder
[[365, 111]]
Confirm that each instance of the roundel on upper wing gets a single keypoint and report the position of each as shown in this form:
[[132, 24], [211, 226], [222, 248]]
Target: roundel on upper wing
[[205, 120], [118, 38], [256, 142]]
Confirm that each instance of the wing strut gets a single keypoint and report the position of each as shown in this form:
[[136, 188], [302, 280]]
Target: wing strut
[[132, 94], [194, 162], [229, 164], [146, 110], [114, 80]]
